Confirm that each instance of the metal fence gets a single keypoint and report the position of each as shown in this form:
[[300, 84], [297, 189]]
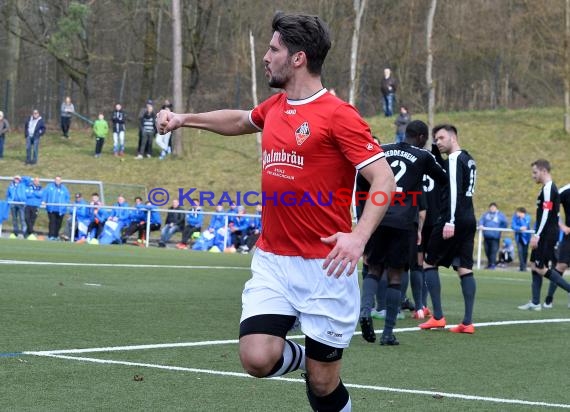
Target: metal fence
[[72, 211]]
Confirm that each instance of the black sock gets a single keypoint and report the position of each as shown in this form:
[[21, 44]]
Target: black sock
[[535, 287], [417, 280], [336, 401], [369, 288], [556, 277], [468, 287], [434, 288], [381, 293], [393, 298], [404, 282]]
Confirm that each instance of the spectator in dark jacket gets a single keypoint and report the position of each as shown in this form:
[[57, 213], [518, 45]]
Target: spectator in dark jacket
[[174, 223], [34, 130], [402, 121], [148, 132], [388, 87]]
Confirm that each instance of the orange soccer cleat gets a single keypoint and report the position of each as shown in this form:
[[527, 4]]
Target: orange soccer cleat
[[461, 328], [433, 323]]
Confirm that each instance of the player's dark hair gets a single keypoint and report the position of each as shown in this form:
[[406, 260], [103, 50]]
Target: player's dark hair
[[541, 164], [493, 204], [301, 32], [447, 127], [521, 209]]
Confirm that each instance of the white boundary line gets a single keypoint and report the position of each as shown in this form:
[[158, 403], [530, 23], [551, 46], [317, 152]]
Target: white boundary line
[[349, 385], [235, 341], [59, 354], [123, 265]]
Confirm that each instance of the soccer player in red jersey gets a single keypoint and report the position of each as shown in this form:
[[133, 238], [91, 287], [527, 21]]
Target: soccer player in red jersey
[[306, 257]]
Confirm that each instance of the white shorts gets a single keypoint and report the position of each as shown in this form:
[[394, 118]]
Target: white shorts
[[327, 307]]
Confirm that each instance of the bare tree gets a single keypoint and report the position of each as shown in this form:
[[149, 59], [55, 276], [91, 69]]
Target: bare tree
[[429, 65], [177, 71], [254, 89], [359, 6], [567, 67], [12, 56]]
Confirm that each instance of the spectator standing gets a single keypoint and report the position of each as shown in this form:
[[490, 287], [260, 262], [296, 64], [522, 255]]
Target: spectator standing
[[16, 195], [34, 193], [521, 223], [388, 87], [67, 108], [492, 219], [163, 140], [148, 131], [402, 121], [101, 130], [55, 198], [4, 129], [119, 119], [174, 223], [34, 130]]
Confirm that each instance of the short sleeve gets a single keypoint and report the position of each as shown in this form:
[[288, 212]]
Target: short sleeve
[[258, 114], [354, 137]]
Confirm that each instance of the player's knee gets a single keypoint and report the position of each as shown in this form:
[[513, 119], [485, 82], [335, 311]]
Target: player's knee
[[322, 384], [256, 363]]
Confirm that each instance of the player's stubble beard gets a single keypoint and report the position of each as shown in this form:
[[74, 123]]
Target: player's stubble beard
[[278, 79]]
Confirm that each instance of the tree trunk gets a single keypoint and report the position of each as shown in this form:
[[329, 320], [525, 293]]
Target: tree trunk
[[567, 68], [12, 60], [429, 65], [359, 6], [254, 90], [177, 72], [149, 55]]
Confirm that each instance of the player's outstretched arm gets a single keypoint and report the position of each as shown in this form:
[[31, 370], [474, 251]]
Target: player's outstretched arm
[[225, 122]]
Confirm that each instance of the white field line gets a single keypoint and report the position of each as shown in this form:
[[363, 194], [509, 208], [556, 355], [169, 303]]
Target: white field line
[[125, 265], [235, 341], [349, 385], [121, 265]]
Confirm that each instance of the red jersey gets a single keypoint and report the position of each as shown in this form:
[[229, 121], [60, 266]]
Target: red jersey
[[310, 149]]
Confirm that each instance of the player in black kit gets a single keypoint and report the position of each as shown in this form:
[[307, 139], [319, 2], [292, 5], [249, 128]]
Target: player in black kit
[[543, 241], [452, 239], [393, 245], [563, 258]]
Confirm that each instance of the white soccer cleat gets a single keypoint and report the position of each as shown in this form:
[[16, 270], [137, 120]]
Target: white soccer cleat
[[530, 306], [547, 305]]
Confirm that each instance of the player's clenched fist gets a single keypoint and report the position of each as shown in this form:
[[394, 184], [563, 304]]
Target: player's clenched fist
[[167, 121]]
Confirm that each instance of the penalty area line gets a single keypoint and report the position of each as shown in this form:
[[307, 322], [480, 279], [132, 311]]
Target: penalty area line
[[348, 385]]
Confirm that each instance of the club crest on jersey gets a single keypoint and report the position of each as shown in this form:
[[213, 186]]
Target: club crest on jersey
[[302, 133]]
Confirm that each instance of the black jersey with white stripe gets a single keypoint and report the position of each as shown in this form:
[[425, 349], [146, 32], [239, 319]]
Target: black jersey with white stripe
[[432, 200], [409, 164], [457, 198], [547, 209], [564, 193]]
